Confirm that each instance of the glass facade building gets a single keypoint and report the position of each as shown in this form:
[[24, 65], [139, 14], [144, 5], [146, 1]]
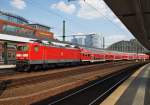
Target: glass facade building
[[79, 41], [132, 46], [14, 29], [93, 41], [41, 27]]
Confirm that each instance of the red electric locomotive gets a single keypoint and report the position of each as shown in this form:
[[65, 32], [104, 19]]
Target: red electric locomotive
[[40, 55]]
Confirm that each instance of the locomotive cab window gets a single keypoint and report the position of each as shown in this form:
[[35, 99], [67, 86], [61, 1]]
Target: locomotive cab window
[[22, 48]]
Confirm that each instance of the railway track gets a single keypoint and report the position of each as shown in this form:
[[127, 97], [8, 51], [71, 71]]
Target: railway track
[[6, 72], [10, 72], [28, 78], [92, 93], [42, 86]]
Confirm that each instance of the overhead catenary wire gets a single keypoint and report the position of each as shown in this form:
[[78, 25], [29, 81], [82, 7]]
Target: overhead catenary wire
[[105, 17], [64, 18], [99, 12], [117, 27], [48, 11]]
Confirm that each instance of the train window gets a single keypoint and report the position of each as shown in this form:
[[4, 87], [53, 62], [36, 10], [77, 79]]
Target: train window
[[36, 48], [22, 48]]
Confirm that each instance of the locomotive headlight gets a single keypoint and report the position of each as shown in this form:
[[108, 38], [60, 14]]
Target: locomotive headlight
[[25, 55], [18, 55]]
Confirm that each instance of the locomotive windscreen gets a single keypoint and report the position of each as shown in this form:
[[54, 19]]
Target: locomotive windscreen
[[22, 48]]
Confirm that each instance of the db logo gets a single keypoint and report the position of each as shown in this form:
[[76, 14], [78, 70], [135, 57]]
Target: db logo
[[61, 53]]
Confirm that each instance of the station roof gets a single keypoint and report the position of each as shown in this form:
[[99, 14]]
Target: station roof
[[135, 14], [13, 38]]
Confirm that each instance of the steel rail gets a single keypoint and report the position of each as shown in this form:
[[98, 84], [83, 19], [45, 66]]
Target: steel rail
[[98, 82]]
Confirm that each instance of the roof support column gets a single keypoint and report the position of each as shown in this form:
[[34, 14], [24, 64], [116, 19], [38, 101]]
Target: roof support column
[[5, 53]]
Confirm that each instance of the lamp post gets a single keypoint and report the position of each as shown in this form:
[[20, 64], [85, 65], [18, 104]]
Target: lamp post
[[64, 31]]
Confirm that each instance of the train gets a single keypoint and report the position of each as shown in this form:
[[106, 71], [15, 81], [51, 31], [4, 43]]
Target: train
[[43, 54]]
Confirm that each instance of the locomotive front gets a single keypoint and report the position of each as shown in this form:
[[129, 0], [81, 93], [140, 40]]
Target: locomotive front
[[22, 56]]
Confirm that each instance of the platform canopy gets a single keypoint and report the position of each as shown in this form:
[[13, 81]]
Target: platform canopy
[[12, 38], [135, 14]]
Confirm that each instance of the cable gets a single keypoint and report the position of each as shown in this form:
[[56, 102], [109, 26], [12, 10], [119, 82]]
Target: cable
[[39, 6], [106, 18], [49, 11]]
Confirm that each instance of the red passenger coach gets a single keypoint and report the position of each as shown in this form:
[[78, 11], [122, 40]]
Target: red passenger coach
[[109, 56], [125, 56], [85, 55], [143, 56], [117, 56], [98, 57]]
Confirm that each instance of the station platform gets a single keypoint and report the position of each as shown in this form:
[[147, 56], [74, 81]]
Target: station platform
[[134, 91], [7, 66]]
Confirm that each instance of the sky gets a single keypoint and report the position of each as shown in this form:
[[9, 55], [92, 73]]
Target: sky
[[81, 16]]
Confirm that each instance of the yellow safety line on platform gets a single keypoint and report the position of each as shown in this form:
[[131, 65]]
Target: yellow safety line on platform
[[140, 94], [114, 97]]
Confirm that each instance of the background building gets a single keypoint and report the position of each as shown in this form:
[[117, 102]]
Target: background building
[[132, 46], [40, 26], [14, 25], [94, 40], [79, 41]]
